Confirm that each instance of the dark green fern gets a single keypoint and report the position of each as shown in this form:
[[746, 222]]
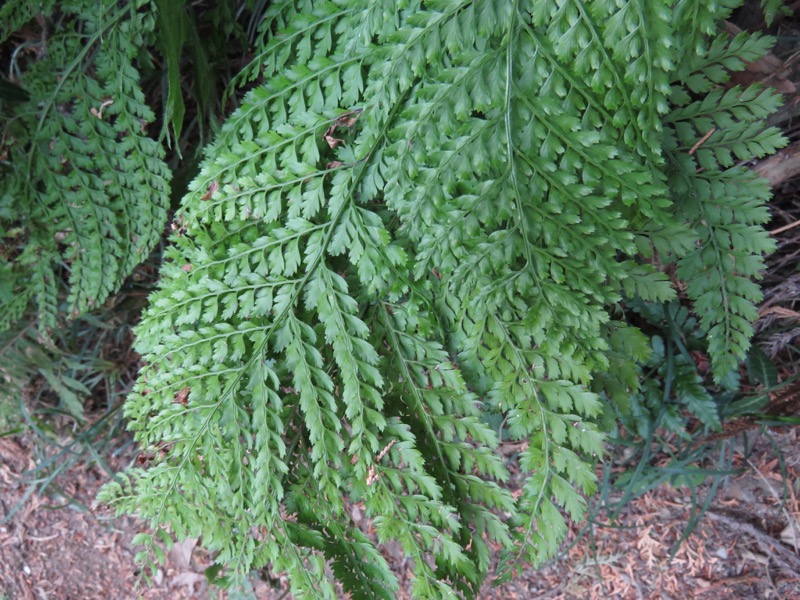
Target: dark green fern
[[84, 188]]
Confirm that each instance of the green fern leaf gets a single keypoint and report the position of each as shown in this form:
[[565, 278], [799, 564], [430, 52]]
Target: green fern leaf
[[772, 8], [80, 160], [16, 13], [689, 391]]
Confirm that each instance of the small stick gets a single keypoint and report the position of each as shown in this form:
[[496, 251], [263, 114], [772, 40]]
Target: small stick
[[785, 228], [702, 140], [773, 548]]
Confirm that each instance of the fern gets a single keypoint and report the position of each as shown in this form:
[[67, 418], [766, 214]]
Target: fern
[[84, 188], [772, 8], [426, 206], [726, 207], [13, 15], [672, 382]]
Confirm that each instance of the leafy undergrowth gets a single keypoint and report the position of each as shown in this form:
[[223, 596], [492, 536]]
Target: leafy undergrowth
[[741, 548]]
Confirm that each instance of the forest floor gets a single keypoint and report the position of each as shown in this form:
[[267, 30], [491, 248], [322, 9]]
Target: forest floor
[[744, 546]]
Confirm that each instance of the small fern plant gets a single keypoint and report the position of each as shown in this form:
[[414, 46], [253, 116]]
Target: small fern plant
[[83, 188], [422, 209]]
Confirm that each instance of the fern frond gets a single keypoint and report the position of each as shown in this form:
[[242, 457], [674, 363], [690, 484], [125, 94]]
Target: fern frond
[[689, 390], [724, 56], [445, 419], [719, 271], [725, 205], [772, 8], [81, 161], [423, 206], [16, 13]]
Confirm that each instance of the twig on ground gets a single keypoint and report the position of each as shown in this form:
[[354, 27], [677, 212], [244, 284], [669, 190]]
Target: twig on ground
[[790, 519], [784, 228]]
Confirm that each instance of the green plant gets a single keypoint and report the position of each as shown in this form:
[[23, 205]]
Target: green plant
[[77, 159], [64, 393], [85, 184], [82, 181], [425, 205]]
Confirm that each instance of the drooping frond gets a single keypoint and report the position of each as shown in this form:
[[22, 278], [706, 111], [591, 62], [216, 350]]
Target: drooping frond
[[84, 187], [424, 208], [725, 204]]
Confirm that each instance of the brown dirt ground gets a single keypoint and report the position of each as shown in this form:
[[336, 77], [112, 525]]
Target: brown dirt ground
[[741, 549]]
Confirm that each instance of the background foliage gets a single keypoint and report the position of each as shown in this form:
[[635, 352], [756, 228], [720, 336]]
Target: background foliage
[[419, 213]]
